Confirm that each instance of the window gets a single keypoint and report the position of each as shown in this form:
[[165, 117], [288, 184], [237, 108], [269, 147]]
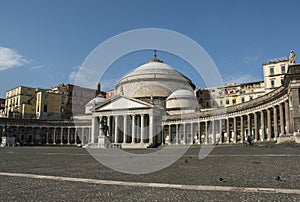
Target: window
[[251, 97], [243, 99], [271, 71], [234, 101], [283, 69], [221, 103], [272, 83], [227, 102]]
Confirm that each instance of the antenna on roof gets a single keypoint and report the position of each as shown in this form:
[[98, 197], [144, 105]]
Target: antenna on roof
[[154, 53]]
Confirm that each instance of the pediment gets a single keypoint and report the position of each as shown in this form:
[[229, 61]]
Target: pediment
[[122, 103]]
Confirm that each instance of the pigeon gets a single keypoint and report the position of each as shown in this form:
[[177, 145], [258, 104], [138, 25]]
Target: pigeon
[[278, 178], [186, 161], [221, 179]]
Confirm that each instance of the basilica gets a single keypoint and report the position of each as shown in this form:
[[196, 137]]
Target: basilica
[[155, 104]]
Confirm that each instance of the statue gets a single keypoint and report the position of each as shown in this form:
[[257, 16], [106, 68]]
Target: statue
[[292, 58]]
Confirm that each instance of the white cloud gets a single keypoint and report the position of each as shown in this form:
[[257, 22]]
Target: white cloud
[[35, 67], [9, 58], [240, 78]]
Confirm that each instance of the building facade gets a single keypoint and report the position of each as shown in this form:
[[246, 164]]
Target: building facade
[[155, 104]]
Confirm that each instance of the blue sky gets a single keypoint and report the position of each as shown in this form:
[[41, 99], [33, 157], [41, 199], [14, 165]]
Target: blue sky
[[43, 43]]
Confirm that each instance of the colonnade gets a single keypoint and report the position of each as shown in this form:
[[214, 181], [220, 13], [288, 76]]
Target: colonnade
[[132, 128], [34, 135], [261, 125]]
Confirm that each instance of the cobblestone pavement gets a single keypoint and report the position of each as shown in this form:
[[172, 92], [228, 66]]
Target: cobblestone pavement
[[239, 166]]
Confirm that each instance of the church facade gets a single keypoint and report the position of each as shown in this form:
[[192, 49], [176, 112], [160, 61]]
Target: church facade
[[155, 105]]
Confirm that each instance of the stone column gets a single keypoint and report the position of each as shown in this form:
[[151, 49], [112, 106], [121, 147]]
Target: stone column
[[142, 128], [170, 133], [54, 136], [255, 127], [281, 116], [234, 130], [94, 129], [47, 136], [116, 129], [275, 123], [184, 133], [99, 127], [221, 131], [109, 126], [206, 132], [228, 130], [61, 135], [151, 135], [192, 133], [68, 135], [82, 135], [199, 132], [125, 132], [213, 132], [242, 129], [269, 122], [287, 117], [262, 122], [177, 134], [249, 125], [133, 129]]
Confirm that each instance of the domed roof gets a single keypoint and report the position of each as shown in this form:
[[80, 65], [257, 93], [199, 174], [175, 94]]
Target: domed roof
[[154, 69], [181, 94], [153, 79]]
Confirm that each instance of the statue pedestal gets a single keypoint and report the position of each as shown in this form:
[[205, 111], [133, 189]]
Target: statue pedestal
[[103, 142]]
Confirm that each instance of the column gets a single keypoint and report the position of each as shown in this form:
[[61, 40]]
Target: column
[[170, 133], [262, 122], [221, 131], [269, 122], [255, 128], [94, 128], [177, 134], [206, 132], [82, 135], [213, 132], [151, 129], [47, 136], [68, 135], [54, 136], [275, 123], [184, 133], [116, 129], [287, 117], [249, 125], [192, 133], [133, 129], [281, 116], [242, 129], [199, 133], [142, 128], [108, 124], [234, 130], [228, 130], [61, 135], [125, 129]]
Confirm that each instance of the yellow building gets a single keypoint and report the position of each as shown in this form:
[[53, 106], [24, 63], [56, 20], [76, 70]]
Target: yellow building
[[230, 94], [20, 102], [50, 105]]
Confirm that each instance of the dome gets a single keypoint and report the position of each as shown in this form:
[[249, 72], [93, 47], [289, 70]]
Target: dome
[[155, 79], [97, 100], [181, 102], [181, 94]]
